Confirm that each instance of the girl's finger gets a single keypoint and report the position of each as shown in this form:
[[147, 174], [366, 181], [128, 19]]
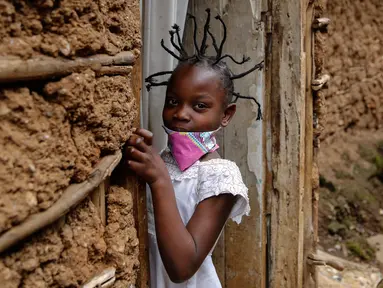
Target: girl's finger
[[140, 144], [132, 140], [135, 154], [146, 134], [137, 167]]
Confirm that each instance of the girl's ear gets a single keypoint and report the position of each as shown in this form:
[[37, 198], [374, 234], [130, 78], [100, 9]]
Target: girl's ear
[[228, 114]]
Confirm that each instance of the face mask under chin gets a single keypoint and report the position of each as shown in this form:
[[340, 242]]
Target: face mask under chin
[[188, 147]]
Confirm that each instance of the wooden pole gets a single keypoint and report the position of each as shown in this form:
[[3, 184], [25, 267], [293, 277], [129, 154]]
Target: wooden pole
[[98, 199], [138, 189], [309, 271], [12, 70], [287, 101]]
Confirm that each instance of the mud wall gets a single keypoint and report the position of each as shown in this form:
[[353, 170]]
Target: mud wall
[[70, 252], [53, 132], [354, 60], [351, 154]]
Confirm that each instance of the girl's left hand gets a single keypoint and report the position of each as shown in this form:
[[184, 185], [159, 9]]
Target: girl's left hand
[[143, 159]]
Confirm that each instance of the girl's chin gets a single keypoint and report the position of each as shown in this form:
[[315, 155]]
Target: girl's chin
[[177, 128], [184, 129]]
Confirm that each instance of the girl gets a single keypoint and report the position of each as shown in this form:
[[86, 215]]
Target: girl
[[193, 190]]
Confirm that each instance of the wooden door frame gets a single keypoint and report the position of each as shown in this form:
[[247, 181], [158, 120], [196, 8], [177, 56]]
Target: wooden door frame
[[290, 195], [288, 138]]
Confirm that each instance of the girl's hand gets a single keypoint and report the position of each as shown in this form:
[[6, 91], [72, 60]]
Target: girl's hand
[[143, 159]]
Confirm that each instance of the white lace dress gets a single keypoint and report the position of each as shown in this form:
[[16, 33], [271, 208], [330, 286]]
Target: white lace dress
[[200, 181]]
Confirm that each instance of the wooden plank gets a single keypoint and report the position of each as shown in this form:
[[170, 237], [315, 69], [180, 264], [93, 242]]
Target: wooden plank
[[288, 145], [319, 49], [98, 199], [267, 143], [138, 190], [309, 278], [245, 245]]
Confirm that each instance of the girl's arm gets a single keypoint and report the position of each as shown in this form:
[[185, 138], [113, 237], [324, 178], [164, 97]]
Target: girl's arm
[[182, 249]]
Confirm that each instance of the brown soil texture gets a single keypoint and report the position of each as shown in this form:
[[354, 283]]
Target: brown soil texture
[[53, 132], [354, 61], [68, 27], [351, 193], [69, 253], [351, 152], [121, 237], [54, 135]]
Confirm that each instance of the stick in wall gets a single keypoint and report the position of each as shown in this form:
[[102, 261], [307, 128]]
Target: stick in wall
[[12, 70], [72, 196]]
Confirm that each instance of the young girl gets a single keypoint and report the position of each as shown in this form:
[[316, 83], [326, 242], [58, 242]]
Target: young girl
[[193, 190]]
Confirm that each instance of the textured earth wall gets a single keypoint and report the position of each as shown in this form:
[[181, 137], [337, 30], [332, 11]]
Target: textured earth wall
[[354, 60], [53, 132]]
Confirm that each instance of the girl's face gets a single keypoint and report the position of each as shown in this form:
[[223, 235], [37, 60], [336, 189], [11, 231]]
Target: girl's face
[[195, 101]]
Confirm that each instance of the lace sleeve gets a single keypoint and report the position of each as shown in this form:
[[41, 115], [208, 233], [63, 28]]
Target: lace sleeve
[[220, 176]]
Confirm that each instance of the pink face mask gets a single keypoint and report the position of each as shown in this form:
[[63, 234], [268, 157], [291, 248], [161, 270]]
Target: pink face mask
[[188, 147]]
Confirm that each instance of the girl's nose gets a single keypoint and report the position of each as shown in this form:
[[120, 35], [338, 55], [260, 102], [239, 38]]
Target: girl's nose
[[181, 114]]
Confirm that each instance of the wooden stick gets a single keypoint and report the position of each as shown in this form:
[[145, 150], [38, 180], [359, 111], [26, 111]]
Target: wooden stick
[[103, 279], [72, 196], [12, 70], [114, 70], [98, 199], [138, 188]]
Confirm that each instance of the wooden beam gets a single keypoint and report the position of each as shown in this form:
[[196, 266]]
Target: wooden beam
[[267, 118], [243, 143], [98, 199], [288, 145], [309, 271], [138, 189], [12, 70]]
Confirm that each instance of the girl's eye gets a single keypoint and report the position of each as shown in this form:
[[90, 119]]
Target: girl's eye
[[172, 102], [201, 106]]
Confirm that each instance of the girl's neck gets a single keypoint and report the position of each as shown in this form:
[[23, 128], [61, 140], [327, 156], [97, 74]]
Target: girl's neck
[[210, 156]]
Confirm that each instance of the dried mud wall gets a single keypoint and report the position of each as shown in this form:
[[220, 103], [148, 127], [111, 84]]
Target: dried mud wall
[[355, 62], [53, 132], [70, 252]]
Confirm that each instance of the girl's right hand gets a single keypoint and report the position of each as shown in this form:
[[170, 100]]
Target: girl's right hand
[[144, 160]]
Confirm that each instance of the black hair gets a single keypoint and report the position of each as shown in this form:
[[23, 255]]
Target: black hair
[[200, 58]]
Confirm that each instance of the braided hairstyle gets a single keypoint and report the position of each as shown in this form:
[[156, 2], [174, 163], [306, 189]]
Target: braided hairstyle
[[200, 58]]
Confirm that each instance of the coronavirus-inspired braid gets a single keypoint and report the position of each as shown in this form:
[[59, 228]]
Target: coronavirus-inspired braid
[[200, 58]]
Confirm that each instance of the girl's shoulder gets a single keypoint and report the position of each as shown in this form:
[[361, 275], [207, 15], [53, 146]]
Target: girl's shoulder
[[212, 177], [221, 176]]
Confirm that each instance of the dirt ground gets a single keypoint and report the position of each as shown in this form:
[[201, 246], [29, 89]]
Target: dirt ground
[[353, 276], [351, 193]]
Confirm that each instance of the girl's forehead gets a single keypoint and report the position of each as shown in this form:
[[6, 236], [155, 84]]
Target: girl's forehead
[[194, 77]]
